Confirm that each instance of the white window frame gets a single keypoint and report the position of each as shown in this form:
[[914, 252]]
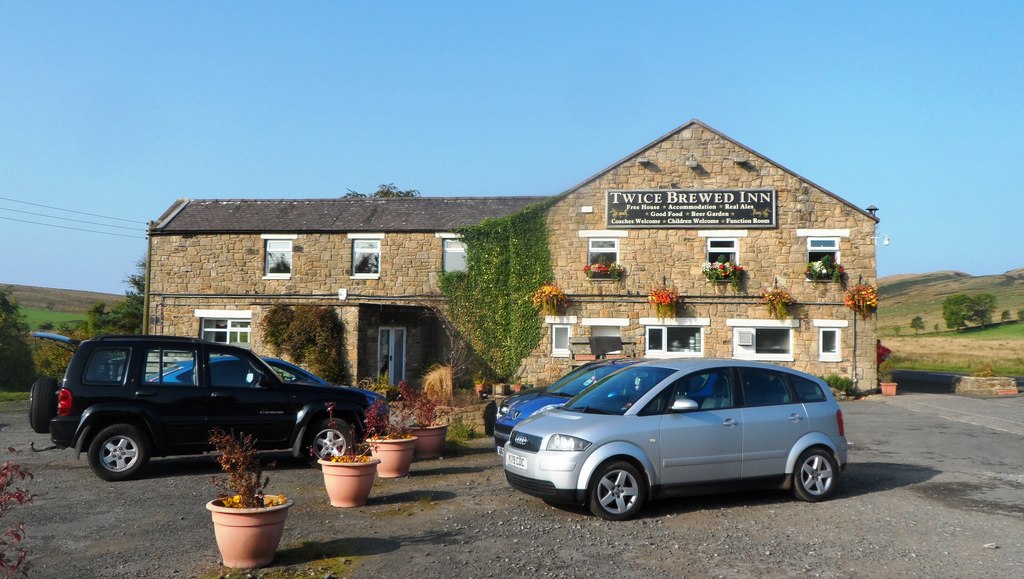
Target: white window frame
[[832, 326], [374, 238], [744, 339], [557, 352], [835, 250], [591, 250], [735, 250], [283, 240], [661, 325], [239, 321], [449, 247]]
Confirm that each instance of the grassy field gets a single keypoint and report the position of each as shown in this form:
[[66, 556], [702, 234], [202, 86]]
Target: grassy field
[[42, 304], [34, 317], [905, 296]]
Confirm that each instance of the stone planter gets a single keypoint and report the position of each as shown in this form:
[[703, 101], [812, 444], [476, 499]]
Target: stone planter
[[395, 456], [348, 484], [888, 388], [248, 538], [984, 385], [430, 441]]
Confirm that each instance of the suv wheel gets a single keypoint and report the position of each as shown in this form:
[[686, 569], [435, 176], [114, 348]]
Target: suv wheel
[[618, 491], [118, 452], [326, 441], [42, 404], [814, 478]]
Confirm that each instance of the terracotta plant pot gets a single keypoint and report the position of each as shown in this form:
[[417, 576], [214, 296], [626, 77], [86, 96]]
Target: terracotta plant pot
[[395, 456], [348, 484], [888, 388], [248, 538], [430, 441]]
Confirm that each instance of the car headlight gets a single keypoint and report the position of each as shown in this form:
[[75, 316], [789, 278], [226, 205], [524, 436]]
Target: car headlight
[[503, 409], [567, 443]]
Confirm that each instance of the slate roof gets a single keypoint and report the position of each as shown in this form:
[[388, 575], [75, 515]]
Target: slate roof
[[334, 215]]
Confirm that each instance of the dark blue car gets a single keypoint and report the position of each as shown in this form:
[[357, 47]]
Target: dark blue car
[[519, 407]]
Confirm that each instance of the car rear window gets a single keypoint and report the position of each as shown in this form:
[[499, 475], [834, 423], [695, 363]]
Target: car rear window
[[806, 390], [107, 366]]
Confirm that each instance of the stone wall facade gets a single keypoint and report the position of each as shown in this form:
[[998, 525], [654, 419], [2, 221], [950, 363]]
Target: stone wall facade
[[223, 272]]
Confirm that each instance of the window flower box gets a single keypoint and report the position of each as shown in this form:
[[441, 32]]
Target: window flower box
[[612, 271], [722, 272], [825, 269]]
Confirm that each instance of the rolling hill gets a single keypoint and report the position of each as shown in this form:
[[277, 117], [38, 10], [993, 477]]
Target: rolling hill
[[901, 297], [42, 304]]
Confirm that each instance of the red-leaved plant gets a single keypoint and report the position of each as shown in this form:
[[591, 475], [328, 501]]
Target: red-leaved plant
[[13, 555]]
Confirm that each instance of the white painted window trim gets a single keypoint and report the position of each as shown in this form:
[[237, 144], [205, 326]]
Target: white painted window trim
[[836, 356], [268, 237], [722, 233], [620, 322], [748, 353], [366, 236], [380, 254], [664, 325], [448, 236], [823, 233], [559, 319], [830, 323], [226, 314], [743, 323], [558, 352], [675, 322], [445, 252], [292, 236], [586, 233]]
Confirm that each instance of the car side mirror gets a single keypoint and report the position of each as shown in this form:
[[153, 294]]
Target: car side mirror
[[684, 405]]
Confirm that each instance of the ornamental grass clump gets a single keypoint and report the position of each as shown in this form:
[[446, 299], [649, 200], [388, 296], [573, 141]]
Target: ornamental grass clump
[[550, 299], [245, 486], [664, 301], [862, 299], [778, 302]]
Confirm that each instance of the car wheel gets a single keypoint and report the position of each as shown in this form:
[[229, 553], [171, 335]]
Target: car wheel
[[618, 491], [118, 452], [326, 441], [42, 405], [815, 475]]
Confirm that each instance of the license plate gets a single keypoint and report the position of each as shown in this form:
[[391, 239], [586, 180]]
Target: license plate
[[515, 461]]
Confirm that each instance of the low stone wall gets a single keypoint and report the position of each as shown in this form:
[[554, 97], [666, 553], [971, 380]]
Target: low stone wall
[[480, 416], [977, 386]]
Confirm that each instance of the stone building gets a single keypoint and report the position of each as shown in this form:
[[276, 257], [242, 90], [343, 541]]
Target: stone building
[[690, 198]]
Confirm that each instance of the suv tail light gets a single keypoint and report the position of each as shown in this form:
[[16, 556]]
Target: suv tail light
[[839, 423], [64, 402]]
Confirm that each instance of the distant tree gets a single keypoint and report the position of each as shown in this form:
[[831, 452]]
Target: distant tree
[[960, 309], [16, 371], [917, 324], [896, 330], [1005, 316], [936, 327], [386, 191], [127, 316]]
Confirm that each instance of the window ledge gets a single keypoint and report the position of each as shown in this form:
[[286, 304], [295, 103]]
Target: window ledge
[[830, 359], [278, 276], [365, 276]]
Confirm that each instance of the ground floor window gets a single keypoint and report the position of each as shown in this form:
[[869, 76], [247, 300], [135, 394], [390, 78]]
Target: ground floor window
[[560, 334], [227, 331], [829, 339], [768, 340], [674, 340]]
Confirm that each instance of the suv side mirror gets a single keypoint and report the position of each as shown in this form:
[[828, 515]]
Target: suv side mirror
[[684, 405]]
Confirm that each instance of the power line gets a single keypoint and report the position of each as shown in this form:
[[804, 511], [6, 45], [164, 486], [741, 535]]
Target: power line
[[69, 219], [72, 228], [72, 211]]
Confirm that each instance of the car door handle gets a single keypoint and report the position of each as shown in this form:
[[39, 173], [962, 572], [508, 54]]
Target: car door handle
[[794, 418], [142, 393], [729, 423], [220, 395]]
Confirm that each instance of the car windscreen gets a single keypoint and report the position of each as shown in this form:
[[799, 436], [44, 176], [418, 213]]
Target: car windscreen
[[579, 379], [619, 391]]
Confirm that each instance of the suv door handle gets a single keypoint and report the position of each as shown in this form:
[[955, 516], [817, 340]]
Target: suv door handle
[[794, 418], [729, 423], [220, 395], [142, 393]]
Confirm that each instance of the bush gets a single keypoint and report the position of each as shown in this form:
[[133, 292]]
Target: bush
[[885, 371], [459, 431], [841, 384]]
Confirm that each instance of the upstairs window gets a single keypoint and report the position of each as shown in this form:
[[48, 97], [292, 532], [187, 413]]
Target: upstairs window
[[603, 251], [366, 258], [454, 255], [721, 250], [278, 258], [819, 248]]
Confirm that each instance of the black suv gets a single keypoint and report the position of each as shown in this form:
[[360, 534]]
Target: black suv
[[127, 398]]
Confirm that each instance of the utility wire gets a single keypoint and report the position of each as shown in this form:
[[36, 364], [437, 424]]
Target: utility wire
[[73, 228], [69, 219], [72, 211]]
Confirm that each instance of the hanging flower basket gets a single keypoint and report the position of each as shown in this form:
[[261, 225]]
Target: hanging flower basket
[[723, 271], [550, 299], [825, 270], [778, 302], [604, 271], [664, 301], [862, 299]]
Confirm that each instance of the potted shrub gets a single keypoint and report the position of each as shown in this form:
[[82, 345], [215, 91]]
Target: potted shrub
[[723, 271], [778, 302], [479, 384], [431, 422], [550, 299], [388, 435], [349, 476], [664, 301], [247, 522], [885, 378]]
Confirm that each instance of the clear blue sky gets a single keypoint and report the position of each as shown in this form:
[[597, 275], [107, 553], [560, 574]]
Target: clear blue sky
[[119, 108]]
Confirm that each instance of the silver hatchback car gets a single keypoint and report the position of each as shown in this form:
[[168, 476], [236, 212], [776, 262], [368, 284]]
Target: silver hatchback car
[[681, 427]]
